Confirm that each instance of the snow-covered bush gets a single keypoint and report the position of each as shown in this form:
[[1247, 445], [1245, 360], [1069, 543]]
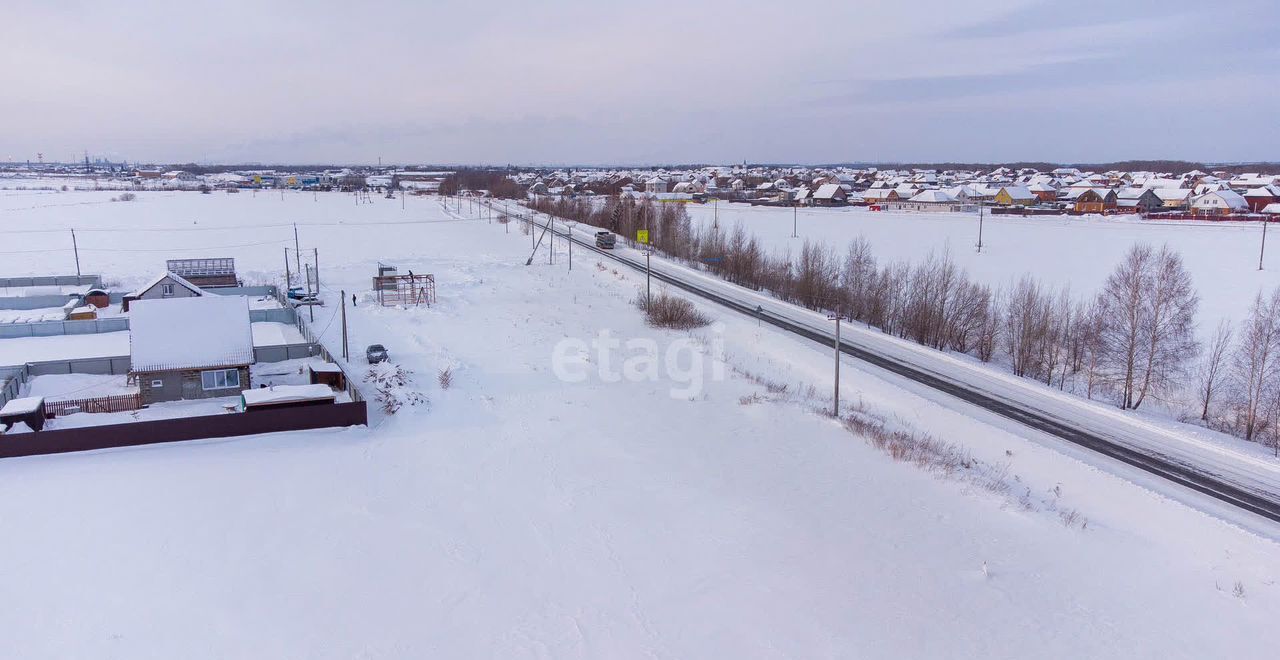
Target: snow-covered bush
[[666, 311], [392, 387]]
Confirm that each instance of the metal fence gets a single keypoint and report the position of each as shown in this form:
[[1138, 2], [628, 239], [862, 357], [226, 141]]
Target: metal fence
[[57, 441], [101, 366], [11, 381], [285, 352], [285, 315], [51, 280], [54, 328]]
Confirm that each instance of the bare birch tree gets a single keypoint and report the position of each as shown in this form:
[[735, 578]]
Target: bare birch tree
[[1121, 305], [1254, 362], [1213, 368], [1168, 324]]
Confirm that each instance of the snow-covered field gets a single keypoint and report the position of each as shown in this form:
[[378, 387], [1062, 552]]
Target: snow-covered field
[[516, 514], [1061, 251]]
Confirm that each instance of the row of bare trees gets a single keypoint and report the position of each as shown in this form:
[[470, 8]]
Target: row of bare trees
[[1238, 388], [1132, 343]]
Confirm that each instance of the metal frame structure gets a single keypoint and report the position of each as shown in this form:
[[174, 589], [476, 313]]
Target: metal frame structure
[[205, 272], [405, 289]]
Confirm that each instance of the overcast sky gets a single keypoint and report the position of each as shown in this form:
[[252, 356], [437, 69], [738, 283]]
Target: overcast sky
[[510, 81]]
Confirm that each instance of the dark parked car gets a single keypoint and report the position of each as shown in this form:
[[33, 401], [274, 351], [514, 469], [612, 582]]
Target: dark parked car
[[606, 240], [376, 353]]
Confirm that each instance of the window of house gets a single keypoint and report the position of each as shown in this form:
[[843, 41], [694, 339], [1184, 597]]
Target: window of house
[[220, 379], [166, 289]]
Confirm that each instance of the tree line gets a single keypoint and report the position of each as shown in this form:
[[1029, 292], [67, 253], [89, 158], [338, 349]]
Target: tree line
[[495, 181], [1132, 343]]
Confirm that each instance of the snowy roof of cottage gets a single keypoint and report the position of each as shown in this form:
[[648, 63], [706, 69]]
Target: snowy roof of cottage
[[934, 196], [266, 396], [1019, 192], [190, 333], [1229, 197], [1172, 194], [159, 278], [827, 191], [1272, 208]]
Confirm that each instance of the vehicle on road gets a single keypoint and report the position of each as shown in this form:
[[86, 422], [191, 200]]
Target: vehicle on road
[[606, 240], [376, 353]]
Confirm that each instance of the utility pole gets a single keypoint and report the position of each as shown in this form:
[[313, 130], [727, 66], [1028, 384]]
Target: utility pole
[[297, 252], [981, 207], [835, 407], [288, 278], [715, 210], [346, 353], [795, 220], [316, 259], [75, 247], [551, 239], [311, 307], [1260, 252]]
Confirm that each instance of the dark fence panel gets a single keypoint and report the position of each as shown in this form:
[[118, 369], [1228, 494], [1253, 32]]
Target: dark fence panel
[[58, 441]]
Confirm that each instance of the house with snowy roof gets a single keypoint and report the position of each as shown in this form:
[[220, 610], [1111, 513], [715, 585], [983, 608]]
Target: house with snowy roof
[[1091, 200], [1173, 198], [1044, 191], [1014, 196], [1219, 202], [162, 286], [830, 194], [1262, 197], [1138, 200], [931, 200], [196, 347]]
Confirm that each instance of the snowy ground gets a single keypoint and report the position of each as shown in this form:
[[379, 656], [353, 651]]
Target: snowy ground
[[32, 315], [267, 333], [77, 386], [21, 350], [165, 410], [1062, 251], [519, 515], [287, 372]]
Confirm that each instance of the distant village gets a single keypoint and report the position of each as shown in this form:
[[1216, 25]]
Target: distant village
[[1025, 191]]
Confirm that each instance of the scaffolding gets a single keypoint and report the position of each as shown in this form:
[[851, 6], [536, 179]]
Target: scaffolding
[[395, 290], [206, 273]]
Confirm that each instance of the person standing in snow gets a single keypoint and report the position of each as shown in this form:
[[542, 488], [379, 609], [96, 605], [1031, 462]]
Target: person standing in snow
[[353, 300]]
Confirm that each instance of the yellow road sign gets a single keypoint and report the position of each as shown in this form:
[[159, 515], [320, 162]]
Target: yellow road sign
[[642, 236]]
